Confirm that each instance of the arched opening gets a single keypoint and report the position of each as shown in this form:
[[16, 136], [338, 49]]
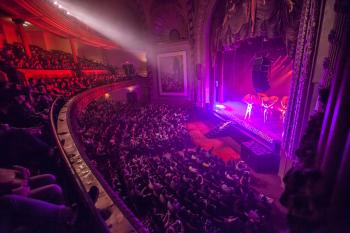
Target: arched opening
[[252, 47]]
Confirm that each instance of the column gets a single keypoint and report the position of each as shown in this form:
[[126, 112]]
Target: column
[[23, 35], [301, 86], [2, 40], [74, 48], [221, 77]]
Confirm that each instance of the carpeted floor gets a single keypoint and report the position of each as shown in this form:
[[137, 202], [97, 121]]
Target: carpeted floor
[[223, 147]]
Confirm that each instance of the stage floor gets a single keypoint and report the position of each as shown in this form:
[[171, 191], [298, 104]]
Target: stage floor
[[236, 111]]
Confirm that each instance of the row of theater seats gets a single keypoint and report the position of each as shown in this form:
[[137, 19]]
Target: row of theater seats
[[146, 154], [36, 195], [14, 54]]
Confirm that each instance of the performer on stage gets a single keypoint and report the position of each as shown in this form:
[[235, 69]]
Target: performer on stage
[[267, 104], [249, 99], [284, 105]]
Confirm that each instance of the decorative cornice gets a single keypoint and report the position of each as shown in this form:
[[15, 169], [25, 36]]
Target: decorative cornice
[[302, 70]]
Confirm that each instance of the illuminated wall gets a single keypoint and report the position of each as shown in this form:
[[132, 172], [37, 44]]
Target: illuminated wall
[[92, 53], [37, 38], [117, 57], [54, 42]]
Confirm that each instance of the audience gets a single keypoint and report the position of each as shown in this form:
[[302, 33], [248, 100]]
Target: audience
[[146, 155], [32, 203], [14, 55], [144, 152], [35, 201]]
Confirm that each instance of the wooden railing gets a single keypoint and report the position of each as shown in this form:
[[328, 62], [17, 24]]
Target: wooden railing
[[122, 220], [99, 224]]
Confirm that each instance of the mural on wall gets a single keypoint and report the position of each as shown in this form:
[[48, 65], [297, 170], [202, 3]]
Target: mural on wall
[[172, 73]]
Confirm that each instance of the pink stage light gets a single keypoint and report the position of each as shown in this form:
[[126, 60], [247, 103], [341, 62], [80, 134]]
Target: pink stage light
[[131, 88]]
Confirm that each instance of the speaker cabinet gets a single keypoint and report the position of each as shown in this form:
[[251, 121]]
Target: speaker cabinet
[[260, 75]]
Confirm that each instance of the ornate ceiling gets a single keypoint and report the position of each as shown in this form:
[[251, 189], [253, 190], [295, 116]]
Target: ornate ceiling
[[46, 16], [155, 19]]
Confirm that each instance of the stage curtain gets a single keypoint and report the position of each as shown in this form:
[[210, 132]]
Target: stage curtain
[[334, 144]]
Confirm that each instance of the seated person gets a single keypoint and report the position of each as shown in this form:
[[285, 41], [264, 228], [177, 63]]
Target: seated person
[[32, 202]]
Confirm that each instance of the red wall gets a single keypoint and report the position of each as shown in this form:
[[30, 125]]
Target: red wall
[[37, 38], [92, 53], [54, 42]]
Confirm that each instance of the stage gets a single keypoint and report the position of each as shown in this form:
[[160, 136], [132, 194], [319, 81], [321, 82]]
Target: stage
[[270, 131]]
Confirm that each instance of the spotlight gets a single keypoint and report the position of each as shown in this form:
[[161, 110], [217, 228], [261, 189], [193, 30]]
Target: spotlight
[[26, 24], [59, 6], [131, 88], [68, 13], [56, 3], [220, 106]]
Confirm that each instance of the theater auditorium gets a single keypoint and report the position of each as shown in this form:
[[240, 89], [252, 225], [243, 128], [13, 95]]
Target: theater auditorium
[[174, 116]]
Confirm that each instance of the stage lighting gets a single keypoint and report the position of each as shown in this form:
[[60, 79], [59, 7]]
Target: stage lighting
[[59, 6], [56, 3], [131, 88], [26, 24], [220, 106], [68, 13]]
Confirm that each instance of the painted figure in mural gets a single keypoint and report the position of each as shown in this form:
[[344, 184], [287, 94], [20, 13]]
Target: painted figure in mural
[[177, 69], [283, 108], [172, 75]]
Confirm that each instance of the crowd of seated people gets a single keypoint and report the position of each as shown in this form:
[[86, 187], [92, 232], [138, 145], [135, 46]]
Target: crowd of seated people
[[146, 155], [23, 105], [30, 197], [14, 55]]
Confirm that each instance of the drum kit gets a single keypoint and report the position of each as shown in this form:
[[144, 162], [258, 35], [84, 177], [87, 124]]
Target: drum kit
[[266, 104]]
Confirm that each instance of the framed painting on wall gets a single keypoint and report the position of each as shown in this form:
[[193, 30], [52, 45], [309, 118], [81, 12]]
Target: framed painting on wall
[[172, 73]]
